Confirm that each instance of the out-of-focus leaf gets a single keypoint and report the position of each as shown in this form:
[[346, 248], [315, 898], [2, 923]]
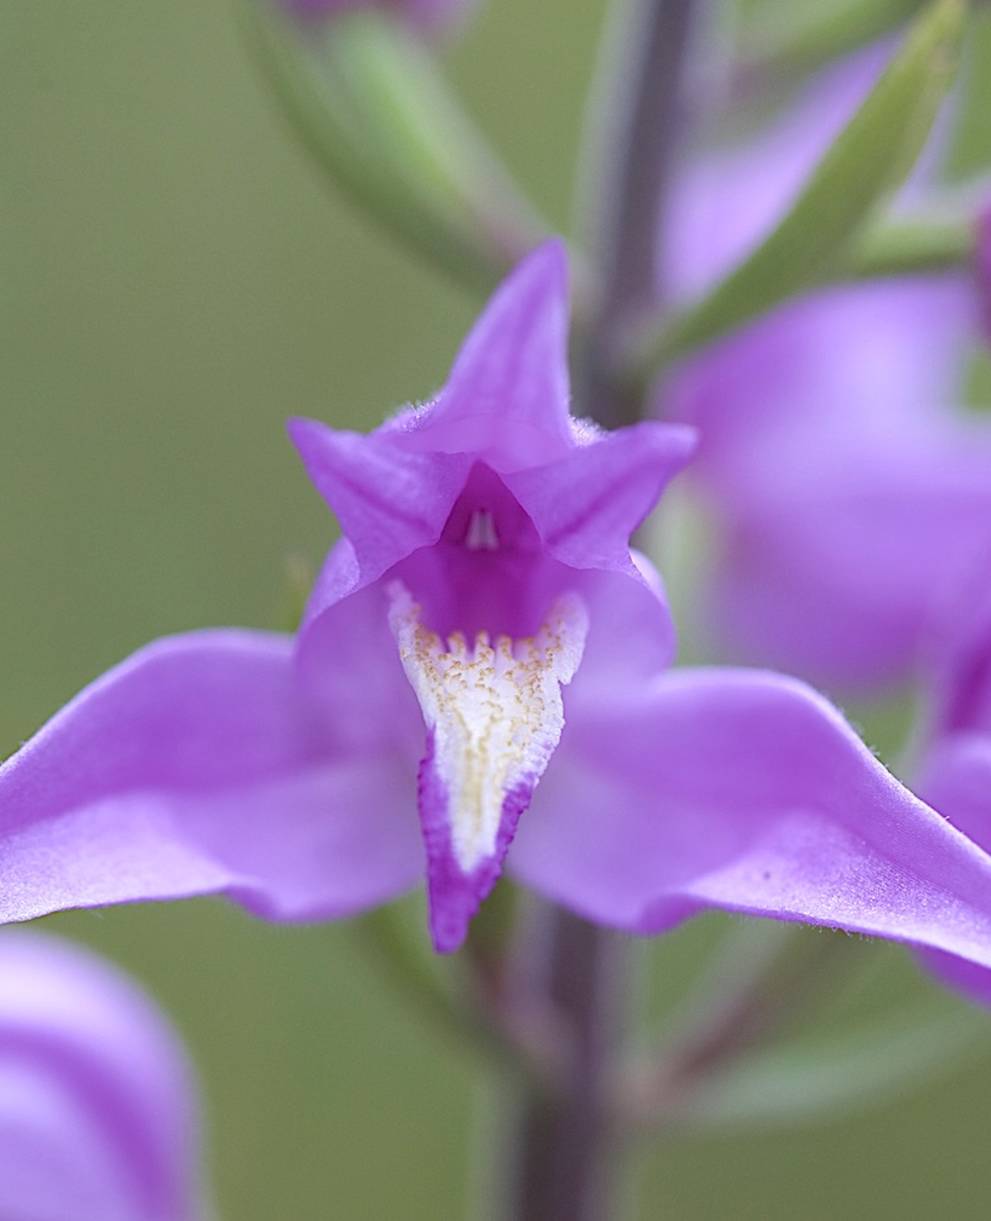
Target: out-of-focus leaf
[[869, 158], [792, 1084], [938, 233], [913, 244], [299, 575], [415, 121], [782, 41], [405, 195]]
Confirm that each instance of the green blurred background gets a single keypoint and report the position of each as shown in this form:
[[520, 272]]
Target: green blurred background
[[177, 279]]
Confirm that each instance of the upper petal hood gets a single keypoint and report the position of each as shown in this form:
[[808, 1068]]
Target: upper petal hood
[[506, 400], [505, 408]]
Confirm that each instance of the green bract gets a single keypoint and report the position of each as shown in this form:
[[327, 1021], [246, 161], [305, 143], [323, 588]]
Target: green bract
[[867, 161]]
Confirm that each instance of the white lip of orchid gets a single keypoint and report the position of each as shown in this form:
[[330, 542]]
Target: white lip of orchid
[[495, 709]]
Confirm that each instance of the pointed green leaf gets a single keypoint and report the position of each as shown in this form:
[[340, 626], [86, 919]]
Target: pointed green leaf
[[782, 41], [790, 1084], [416, 122], [326, 116]]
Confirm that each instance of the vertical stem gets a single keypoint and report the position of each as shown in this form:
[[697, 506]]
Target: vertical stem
[[565, 1149], [639, 144], [564, 1143]]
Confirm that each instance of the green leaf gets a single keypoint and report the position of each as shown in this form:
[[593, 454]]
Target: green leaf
[[790, 1084], [910, 245], [868, 160], [939, 233], [779, 41], [418, 125], [331, 121]]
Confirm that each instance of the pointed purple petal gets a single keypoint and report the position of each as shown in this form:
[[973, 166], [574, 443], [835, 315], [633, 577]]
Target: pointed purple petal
[[747, 791], [587, 505], [388, 501], [98, 1118], [194, 767], [957, 782], [506, 400]]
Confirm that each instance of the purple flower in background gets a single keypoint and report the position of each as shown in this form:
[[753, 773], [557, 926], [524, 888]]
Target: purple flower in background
[[481, 641], [428, 15], [984, 268], [97, 1114], [847, 489], [956, 768]]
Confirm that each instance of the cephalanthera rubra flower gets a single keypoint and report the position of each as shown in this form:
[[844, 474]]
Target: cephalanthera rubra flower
[[482, 649]]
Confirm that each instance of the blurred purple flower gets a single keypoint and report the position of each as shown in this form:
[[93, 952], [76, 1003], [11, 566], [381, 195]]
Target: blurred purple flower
[[956, 772], [429, 15], [97, 1113], [846, 489], [482, 626], [984, 268]]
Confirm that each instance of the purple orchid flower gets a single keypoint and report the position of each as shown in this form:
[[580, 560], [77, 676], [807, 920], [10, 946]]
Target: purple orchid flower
[[424, 15], [482, 640], [984, 268], [956, 770], [846, 488], [97, 1118]]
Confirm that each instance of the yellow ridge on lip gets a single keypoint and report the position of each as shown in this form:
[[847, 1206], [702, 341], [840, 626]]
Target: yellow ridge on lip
[[495, 709]]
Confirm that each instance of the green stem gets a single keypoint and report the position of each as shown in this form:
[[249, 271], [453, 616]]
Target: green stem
[[638, 147], [565, 1143]]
